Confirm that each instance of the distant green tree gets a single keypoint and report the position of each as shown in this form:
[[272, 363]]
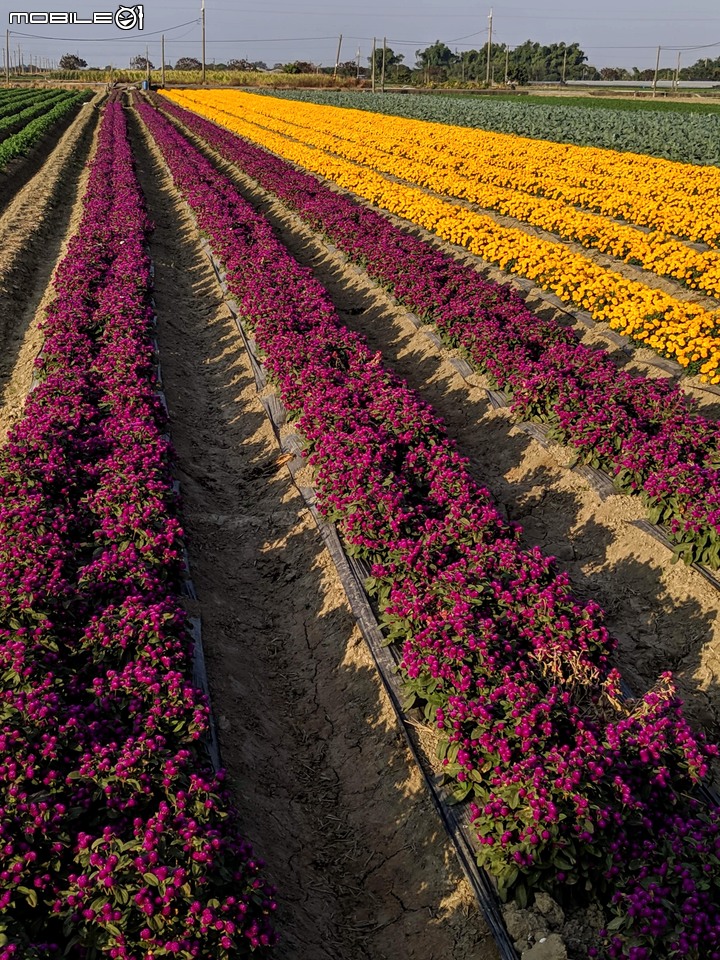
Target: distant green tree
[[471, 65], [436, 55], [299, 66], [188, 63], [705, 69], [546, 62], [519, 75], [614, 73], [435, 61], [392, 59], [140, 63], [69, 61]]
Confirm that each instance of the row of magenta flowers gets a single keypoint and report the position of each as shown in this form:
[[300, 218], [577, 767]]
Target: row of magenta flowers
[[644, 432], [571, 789], [116, 838]]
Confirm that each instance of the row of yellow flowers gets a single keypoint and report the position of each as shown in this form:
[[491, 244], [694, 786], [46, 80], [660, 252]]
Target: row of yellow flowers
[[672, 327], [675, 198], [376, 146]]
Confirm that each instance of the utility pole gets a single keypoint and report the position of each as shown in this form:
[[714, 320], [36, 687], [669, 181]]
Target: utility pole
[[373, 66], [564, 64], [382, 72], [357, 57], [147, 67], [19, 59], [507, 60], [489, 48], [677, 74], [337, 58], [202, 12], [7, 57], [657, 67], [162, 57]]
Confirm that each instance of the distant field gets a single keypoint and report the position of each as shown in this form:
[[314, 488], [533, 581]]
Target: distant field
[[213, 78], [685, 135], [594, 101]]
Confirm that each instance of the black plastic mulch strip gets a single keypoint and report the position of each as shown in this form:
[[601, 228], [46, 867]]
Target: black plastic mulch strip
[[601, 482], [619, 340], [584, 317], [200, 682], [274, 409], [522, 283], [497, 399], [455, 818], [433, 338], [462, 367], [708, 388], [663, 363], [257, 368], [160, 394]]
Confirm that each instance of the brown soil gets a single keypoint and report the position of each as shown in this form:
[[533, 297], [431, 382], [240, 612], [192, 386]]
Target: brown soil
[[323, 779], [665, 616], [34, 230]]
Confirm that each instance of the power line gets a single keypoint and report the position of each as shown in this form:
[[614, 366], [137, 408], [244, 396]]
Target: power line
[[116, 39], [277, 39]]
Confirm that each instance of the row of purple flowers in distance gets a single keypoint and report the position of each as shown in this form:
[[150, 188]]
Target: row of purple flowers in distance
[[116, 837], [570, 787], [645, 432]]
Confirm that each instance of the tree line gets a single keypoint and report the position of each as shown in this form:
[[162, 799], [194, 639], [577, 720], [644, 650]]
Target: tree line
[[530, 61]]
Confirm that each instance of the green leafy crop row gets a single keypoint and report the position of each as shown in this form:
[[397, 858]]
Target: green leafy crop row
[[25, 139]]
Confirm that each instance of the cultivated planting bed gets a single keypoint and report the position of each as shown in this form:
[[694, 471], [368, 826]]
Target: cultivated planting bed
[[118, 837]]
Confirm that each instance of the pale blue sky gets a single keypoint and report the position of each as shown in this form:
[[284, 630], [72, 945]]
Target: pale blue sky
[[613, 33]]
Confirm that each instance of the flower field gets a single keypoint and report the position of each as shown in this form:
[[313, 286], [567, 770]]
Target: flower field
[[674, 327], [117, 836], [645, 433], [553, 787], [687, 132]]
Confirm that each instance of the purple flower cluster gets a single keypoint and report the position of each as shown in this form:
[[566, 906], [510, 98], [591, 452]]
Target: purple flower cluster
[[645, 433], [568, 784], [116, 838]]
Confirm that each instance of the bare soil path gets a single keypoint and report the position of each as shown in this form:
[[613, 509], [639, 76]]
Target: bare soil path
[[325, 784]]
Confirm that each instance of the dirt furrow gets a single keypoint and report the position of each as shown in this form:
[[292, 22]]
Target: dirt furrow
[[325, 785], [665, 616], [34, 231]]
